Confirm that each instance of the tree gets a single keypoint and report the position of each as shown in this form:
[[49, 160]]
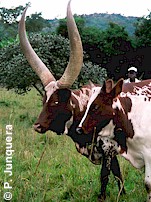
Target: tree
[[15, 72], [62, 28], [10, 16], [142, 31], [91, 35], [91, 72], [8, 22], [114, 40], [35, 23]]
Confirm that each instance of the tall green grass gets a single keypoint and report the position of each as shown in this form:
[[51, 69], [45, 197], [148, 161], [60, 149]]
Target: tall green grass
[[63, 175]]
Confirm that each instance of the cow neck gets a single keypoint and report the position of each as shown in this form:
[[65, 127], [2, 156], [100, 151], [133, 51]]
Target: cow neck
[[80, 98], [121, 106]]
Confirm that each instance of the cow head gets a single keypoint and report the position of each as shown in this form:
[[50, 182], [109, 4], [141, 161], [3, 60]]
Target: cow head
[[99, 111], [55, 113], [56, 102]]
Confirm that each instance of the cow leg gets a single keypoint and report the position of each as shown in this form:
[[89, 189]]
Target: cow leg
[[115, 168], [148, 177], [105, 172]]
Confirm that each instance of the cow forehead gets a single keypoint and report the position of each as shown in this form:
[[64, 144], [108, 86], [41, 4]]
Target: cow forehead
[[50, 89], [95, 92], [84, 96]]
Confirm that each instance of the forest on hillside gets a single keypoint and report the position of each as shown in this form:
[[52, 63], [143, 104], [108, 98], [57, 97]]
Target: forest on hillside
[[102, 20]]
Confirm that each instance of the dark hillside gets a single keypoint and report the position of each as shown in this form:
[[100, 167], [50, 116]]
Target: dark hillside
[[101, 20]]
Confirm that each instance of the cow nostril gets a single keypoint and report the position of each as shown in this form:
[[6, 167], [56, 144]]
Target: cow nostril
[[37, 127], [79, 130]]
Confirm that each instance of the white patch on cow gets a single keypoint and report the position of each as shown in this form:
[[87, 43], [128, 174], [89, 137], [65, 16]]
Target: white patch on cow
[[91, 152], [144, 92], [97, 156], [72, 104], [68, 124], [95, 92], [117, 104], [140, 117], [140, 144], [50, 89], [81, 150], [108, 130]]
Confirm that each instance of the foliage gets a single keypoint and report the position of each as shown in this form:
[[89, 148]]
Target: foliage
[[7, 42], [35, 23], [10, 16], [15, 72], [9, 22], [113, 39], [62, 28], [92, 72], [91, 35], [143, 30], [101, 21], [105, 40]]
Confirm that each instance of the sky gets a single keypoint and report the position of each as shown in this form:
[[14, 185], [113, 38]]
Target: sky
[[51, 9]]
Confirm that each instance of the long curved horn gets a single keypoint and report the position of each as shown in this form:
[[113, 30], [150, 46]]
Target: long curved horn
[[76, 53], [35, 62]]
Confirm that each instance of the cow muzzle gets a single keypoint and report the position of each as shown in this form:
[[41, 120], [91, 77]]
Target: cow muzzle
[[38, 128]]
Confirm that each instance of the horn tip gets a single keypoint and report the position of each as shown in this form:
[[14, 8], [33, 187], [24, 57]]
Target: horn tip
[[69, 2]]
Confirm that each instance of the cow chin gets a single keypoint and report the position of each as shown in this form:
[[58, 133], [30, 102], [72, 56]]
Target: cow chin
[[38, 128], [57, 125], [58, 131]]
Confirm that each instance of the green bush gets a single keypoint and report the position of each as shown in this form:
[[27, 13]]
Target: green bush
[[15, 72]]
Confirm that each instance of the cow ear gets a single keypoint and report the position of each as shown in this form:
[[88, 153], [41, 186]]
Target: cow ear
[[117, 89], [107, 86], [64, 95]]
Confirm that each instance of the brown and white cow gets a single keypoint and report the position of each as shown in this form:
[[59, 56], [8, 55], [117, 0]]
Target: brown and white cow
[[125, 108], [63, 108]]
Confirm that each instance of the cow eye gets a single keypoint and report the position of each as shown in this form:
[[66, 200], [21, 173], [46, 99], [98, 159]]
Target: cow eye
[[53, 104], [95, 107]]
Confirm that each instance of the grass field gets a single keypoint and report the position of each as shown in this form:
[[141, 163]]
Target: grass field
[[63, 175]]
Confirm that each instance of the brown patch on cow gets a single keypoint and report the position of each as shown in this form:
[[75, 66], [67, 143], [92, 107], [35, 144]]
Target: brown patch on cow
[[100, 113], [126, 104], [121, 117]]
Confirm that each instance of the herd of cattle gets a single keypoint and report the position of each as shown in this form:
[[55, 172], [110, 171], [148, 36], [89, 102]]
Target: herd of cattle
[[103, 121]]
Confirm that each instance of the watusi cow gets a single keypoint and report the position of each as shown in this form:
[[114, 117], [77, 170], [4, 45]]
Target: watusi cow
[[63, 108], [125, 108]]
